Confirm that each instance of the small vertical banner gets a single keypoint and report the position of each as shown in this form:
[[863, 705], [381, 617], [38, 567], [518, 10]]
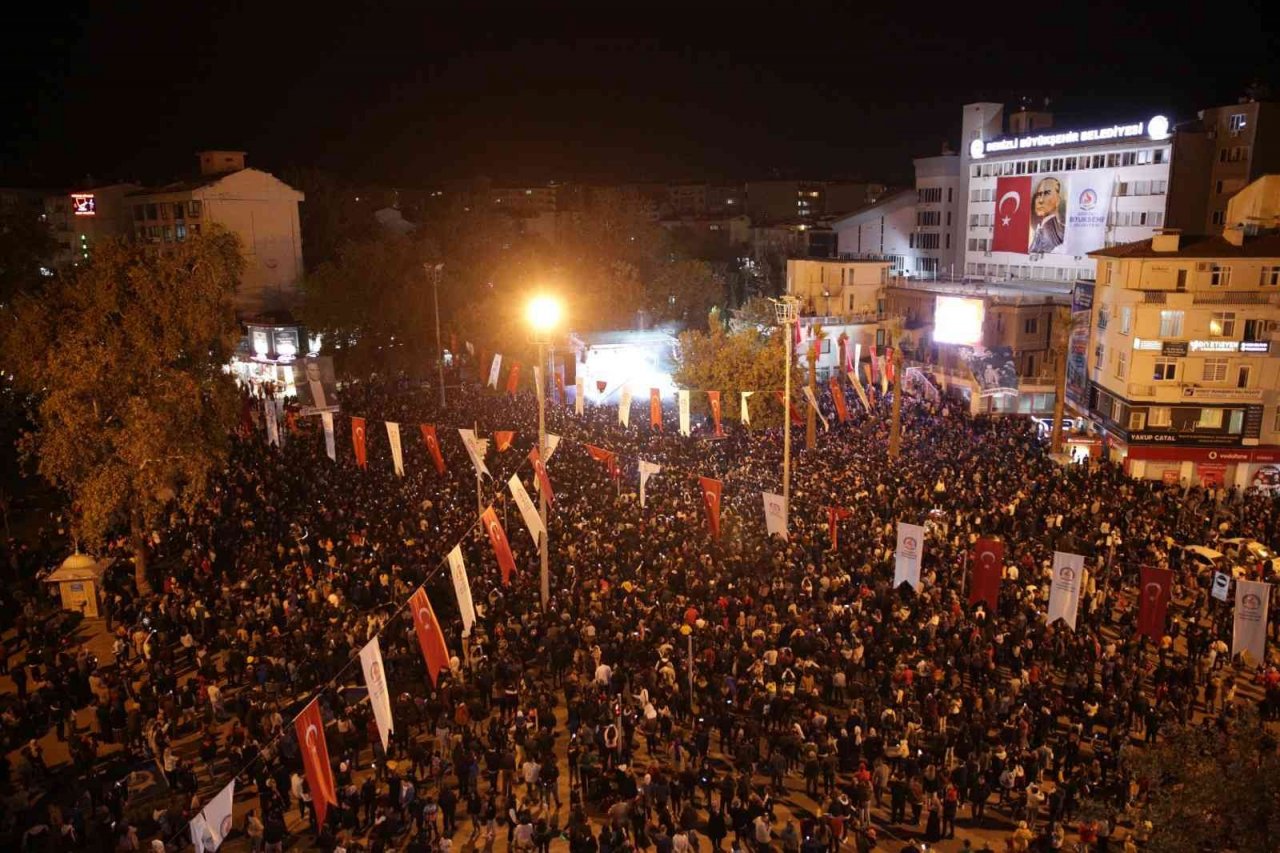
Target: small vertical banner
[[647, 470], [1249, 632], [542, 483], [857, 386], [214, 822], [475, 450], [796, 418], [273, 426], [462, 589], [397, 454], [513, 378], [528, 511], [430, 636], [775, 514], [579, 394], [357, 441], [624, 406], [713, 397], [909, 554], [836, 514], [813, 404], [375, 682], [1153, 600], [837, 396], [330, 448], [433, 446], [309, 728], [553, 441], [494, 370], [498, 539], [711, 501], [745, 414], [1064, 594], [537, 380], [987, 571], [683, 398], [655, 409]]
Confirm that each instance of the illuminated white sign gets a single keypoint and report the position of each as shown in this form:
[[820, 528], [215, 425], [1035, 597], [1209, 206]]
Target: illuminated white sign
[[1156, 128], [1255, 346], [1139, 343], [1214, 346], [957, 320], [83, 204]]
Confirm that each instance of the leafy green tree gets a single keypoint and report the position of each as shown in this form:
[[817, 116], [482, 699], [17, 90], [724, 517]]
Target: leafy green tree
[[684, 290], [732, 362], [125, 363], [26, 245]]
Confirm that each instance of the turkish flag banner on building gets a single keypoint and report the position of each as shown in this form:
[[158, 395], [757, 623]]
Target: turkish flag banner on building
[[988, 569], [502, 439], [430, 635], [1012, 225], [714, 398], [501, 548], [796, 417], [357, 441], [544, 482], [837, 394], [655, 408], [513, 378], [1153, 600], [608, 457], [711, 500], [309, 728], [835, 514], [433, 445]]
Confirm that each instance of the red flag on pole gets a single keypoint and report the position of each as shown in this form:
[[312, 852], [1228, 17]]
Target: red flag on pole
[[714, 398], [433, 445], [608, 457], [875, 366], [795, 337], [513, 378], [655, 408], [837, 394], [357, 441], [541, 470], [888, 364], [835, 514], [430, 635], [796, 417], [309, 728], [498, 539], [1153, 601], [711, 500], [988, 569], [502, 439]]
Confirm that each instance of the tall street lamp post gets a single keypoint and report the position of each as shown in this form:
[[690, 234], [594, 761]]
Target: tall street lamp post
[[435, 298], [544, 316], [786, 310]]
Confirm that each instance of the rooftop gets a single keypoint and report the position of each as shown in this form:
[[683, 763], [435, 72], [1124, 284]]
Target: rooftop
[[1264, 245]]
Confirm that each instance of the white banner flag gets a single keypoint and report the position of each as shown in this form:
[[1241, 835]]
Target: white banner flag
[[553, 441], [683, 398], [1221, 586], [624, 406], [579, 394], [1253, 598], [476, 450], [397, 455], [375, 681], [213, 823], [775, 514], [269, 418], [857, 386], [1064, 589], [280, 430], [647, 469], [462, 589], [495, 370], [1088, 204], [908, 555], [326, 420], [813, 403], [746, 412], [528, 511], [537, 380]]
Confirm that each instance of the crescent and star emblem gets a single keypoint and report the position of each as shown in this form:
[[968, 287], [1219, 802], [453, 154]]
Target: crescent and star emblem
[[1017, 203], [987, 557]]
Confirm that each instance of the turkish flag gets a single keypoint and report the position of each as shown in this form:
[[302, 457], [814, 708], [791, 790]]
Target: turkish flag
[[502, 439], [1153, 600], [837, 394], [498, 539], [433, 445], [988, 569], [608, 457], [714, 398], [430, 635], [711, 500], [357, 441], [1012, 231], [795, 337], [513, 378], [655, 408], [888, 364], [796, 417], [309, 728], [835, 514], [543, 479]]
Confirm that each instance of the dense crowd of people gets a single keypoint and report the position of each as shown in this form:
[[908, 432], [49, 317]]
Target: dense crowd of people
[[684, 686]]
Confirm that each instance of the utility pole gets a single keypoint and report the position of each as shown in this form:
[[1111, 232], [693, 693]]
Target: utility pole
[[435, 296], [895, 428], [544, 579], [786, 309]]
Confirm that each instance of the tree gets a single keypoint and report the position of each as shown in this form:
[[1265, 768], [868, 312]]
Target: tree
[[1212, 789], [125, 363], [26, 245], [684, 290], [732, 362]]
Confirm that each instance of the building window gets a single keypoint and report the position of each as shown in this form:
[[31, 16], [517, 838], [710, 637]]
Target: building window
[[1122, 363], [1237, 122], [1137, 421], [194, 208], [1220, 276], [180, 232], [1166, 370], [1222, 324], [1219, 217], [1215, 370], [1159, 416], [179, 210], [1270, 277], [1210, 419], [1029, 326], [1244, 375], [1126, 318], [1171, 324]]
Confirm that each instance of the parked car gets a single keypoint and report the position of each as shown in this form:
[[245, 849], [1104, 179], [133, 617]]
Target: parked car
[[1203, 559]]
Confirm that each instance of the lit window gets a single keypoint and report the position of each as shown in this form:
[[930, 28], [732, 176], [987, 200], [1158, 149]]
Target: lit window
[[1220, 276], [1122, 363], [1210, 419], [1126, 319], [1270, 277], [1171, 324], [1215, 370], [1159, 416]]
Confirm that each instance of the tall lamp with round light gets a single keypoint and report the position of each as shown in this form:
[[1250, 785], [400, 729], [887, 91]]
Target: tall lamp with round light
[[543, 315], [787, 312]]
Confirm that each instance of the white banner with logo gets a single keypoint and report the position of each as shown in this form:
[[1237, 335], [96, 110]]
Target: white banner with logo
[[857, 386], [462, 589], [397, 454], [375, 680], [476, 450], [647, 469], [579, 394], [326, 420], [775, 514], [528, 511], [682, 398], [624, 406], [813, 404], [1221, 586], [746, 412], [213, 824], [908, 555], [1088, 204], [1250, 631], [494, 370], [553, 441], [269, 418], [1064, 589]]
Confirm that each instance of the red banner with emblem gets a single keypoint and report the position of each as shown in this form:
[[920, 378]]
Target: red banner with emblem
[[711, 501], [357, 441], [837, 394], [541, 470], [502, 439], [608, 457], [309, 728], [987, 571], [430, 635], [432, 442], [1154, 591], [498, 539], [655, 408], [1011, 230], [513, 378], [713, 397]]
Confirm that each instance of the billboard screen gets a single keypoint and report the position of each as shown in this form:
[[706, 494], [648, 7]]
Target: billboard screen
[[957, 320], [1052, 214], [993, 369]]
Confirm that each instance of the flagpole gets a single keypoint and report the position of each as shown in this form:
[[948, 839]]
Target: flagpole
[[786, 310], [544, 577], [435, 296]]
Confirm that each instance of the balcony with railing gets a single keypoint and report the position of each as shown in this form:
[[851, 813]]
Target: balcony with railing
[[1228, 297]]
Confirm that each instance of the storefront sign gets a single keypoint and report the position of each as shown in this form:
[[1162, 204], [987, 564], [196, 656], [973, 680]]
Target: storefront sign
[[1253, 421], [1212, 473], [1255, 347], [1222, 393], [1184, 439], [1213, 346], [1175, 349], [1146, 344], [1226, 456]]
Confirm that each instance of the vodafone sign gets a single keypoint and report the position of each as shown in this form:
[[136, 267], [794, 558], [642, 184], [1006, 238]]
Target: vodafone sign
[[1204, 454]]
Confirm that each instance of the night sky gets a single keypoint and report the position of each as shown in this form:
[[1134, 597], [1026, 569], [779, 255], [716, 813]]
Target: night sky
[[410, 94]]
